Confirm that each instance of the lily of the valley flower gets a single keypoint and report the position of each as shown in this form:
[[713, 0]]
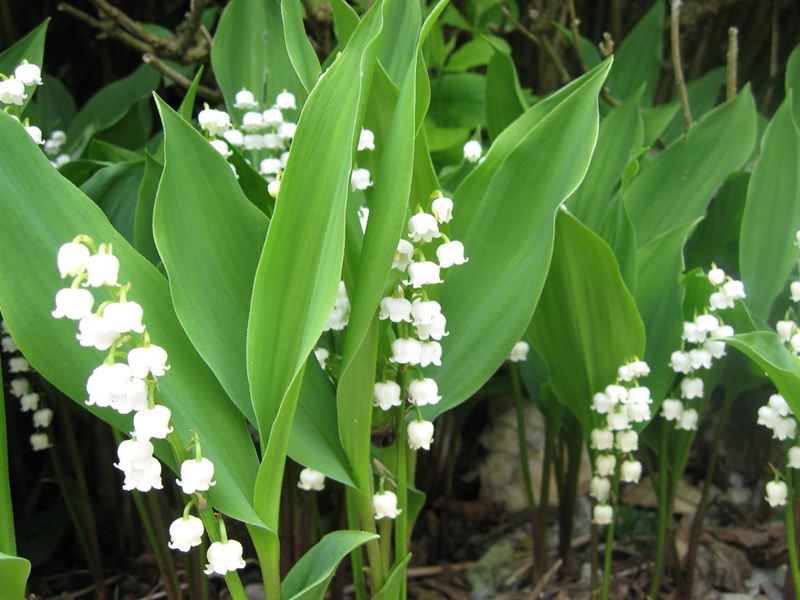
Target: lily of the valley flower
[[311, 480], [18, 364], [123, 317], [360, 179], [396, 310], [224, 557], [286, 101], [43, 417], [423, 227], [102, 269], [196, 475], [245, 100], [424, 273], [777, 493], [386, 394], [384, 504], [473, 151], [442, 209], [152, 423], [95, 332], [40, 441], [186, 533], [29, 402], [422, 392], [29, 74], [12, 91], [450, 254], [72, 259], [519, 352], [366, 140], [114, 386], [146, 360], [602, 514], [73, 303]]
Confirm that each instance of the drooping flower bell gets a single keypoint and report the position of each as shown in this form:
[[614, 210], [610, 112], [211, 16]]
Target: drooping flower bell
[[395, 309], [148, 359], [72, 259], [123, 317], [423, 227], [422, 392], [473, 151], [386, 394], [384, 504], [95, 332], [186, 533], [366, 140], [450, 254], [602, 514], [442, 209], [102, 269], [519, 352], [152, 423], [311, 480], [196, 475], [73, 303], [29, 74], [286, 101], [777, 493], [224, 557], [245, 100], [424, 273]]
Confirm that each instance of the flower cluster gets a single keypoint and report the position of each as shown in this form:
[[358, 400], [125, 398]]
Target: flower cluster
[[14, 91], [53, 146], [265, 134], [21, 387], [131, 385], [622, 405], [700, 347]]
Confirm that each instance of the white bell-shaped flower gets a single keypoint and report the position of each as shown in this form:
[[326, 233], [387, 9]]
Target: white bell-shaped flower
[[253, 141], [638, 412], [707, 323], [423, 227], [784, 429], [617, 419], [311, 480], [627, 441], [617, 393], [602, 439], [72, 259], [688, 420], [102, 269], [778, 403], [123, 317], [519, 352], [631, 471], [384, 504], [473, 151], [600, 488], [424, 273], [430, 354], [767, 417], [777, 493], [386, 394], [29, 74], [73, 303], [234, 137], [19, 387], [29, 402], [252, 121], [43, 417], [286, 131], [442, 209], [693, 334], [40, 441], [286, 101], [360, 179], [601, 403], [274, 188], [423, 391], [196, 475], [638, 395], [406, 351], [8, 345], [366, 140], [272, 117], [450, 254], [397, 310], [605, 464], [785, 330], [403, 255], [602, 514], [152, 423], [700, 358], [716, 276], [794, 457], [795, 342], [18, 364], [715, 348], [270, 166], [272, 141], [12, 91], [146, 360], [134, 454], [680, 362], [734, 289], [95, 332], [186, 533], [322, 355], [671, 409], [719, 301], [215, 122], [691, 387], [245, 100], [224, 558], [221, 147]]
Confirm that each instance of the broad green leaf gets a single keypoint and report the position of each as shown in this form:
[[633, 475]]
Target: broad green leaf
[[30, 48], [591, 55], [78, 171], [52, 107], [345, 20], [303, 57], [108, 106], [32, 220], [638, 59], [703, 94], [133, 129], [143, 239], [254, 186], [249, 52], [311, 575], [489, 301], [115, 189], [476, 52], [586, 324], [792, 81], [767, 249], [674, 189], [458, 100], [504, 99], [620, 133], [99, 150], [14, 575], [656, 120], [186, 109], [617, 230], [8, 543], [397, 47], [395, 581]]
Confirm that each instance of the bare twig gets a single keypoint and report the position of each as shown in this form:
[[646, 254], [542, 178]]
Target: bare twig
[[191, 26], [163, 45], [108, 28], [574, 23], [183, 81], [537, 589], [677, 66], [733, 58]]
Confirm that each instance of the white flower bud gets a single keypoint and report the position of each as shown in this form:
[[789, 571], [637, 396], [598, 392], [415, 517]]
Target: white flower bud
[[423, 391], [152, 423], [700, 359], [605, 464], [322, 354], [360, 179], [222, 148], [638, 395], [420, 435], [148, 359], [286, 101], [234, 137], [785, 330], [95, 332], [29, 402], [631, 471], [638, 412], [19, 387], [627, 441], [245, 100], [311, 480], [424, 273], [123, 317], [714, 348], [396, 310], [716, 276], [12, 91], [215, 122], [707, 323], [600, 488], [274, 188], [43, 417], [473, 151], [196, 475], [252, 121], [366, 140], [519, 352], [73, 303], [134, 454], [430, 354], [671, 409], [616, 393], [784, 429], [386, 394], [442, 209], [795, 342], [450, 254], [102, 269], [40, 441], [688, 420], [602, 514], [734, 290], [691, 387], [224, 558], [719, 301], [8, 345], [602, 439], [385, 505], [272, 117], [270, 166], [72, 259], [693, 334], [617, 420], [406, 351], [767, 417], [423, 227], [403, 255], [778, 403], [18, 364], [185, 534], [601, 403], [28, 74], [777, 493], [286, 131]]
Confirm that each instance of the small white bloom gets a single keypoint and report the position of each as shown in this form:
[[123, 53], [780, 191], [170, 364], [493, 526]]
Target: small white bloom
[[450, 254], [602, 514], [396, 310], [386, 394], [215, 122], [311, 480], [617, 393], [58, 136], [600, 488], [18, 364], [631, 471], [680, 362], [253, 141], [234, 137], [785, 330], [252, 121], [366, 140], [284, 158], [321, 354], [403, 255], [778, 403], [270, 166], [716, 276], [734, 289], [148, 359], [43, 417], [707, 323], [185, 534], [602, 439], [224, 558], [102, 269], [617, 420], [715, 348], [627, 441], [430, 354], [442, 209], [286, 101], [95, 332], [420, 435], [114, 386], [272, 117], [625, 373], [473, 151], [601, 403], [777, 492], [245, 100], [767, 417], [691, 387], [638, 412], [638, 395], [719, 301], [605, 464], [272, 141], [12, 91], [794, 291], [340, 314], [424, 273], [29, 402], [40, 441], [784, 429], [423, 391], [221, 147], [152, 423], [672, 409], [693, 334], [688, 421], [28, 74], [519, 352], [423, 227], [360, 179], [19, 387], [144, 479], [274, 188], [428, 319], [123, 317], [8, 344], [286, 131], [795, 342], [385, 505], [700, 359], [61, 160], [72, 259], [134, 454], [196, 475], [794, 457], [406, 351], [73, 303]]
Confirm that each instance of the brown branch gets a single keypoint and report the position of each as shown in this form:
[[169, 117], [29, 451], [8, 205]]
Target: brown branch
[[108, 28], [191, 26], [183, 81], [733, 58], [165, 47], [677, 66], [574, 23]]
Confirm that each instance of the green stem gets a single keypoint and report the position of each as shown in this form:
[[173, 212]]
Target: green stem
[[609, 550], [791, 538], [663, 515], [232, 580], [356, 559], [401, 474], [569, 496], [385, 529], [7, 537], [594, 545]]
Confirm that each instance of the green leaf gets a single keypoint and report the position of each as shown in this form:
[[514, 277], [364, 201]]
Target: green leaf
[[53, 107], [767, 250], [397, 47], [99, 150], [345, 20], [586, 324], [143, 217], [14, 575], [504, 99], [639, 58], [591, 56], [108, 106], [703, 94], [302, 55], [792, 81], [249, 52], [458, 100], [476, 52], [186, 109], [489, 301], [30, 48], [311, 575], [8, 543], [115, 189], [656, 119], [393, 586], [620, 133], [34, 221], [691, 170]]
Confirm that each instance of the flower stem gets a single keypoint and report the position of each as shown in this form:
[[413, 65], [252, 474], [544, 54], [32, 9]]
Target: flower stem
[[663, 514], [791, 537], [609, 549]]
